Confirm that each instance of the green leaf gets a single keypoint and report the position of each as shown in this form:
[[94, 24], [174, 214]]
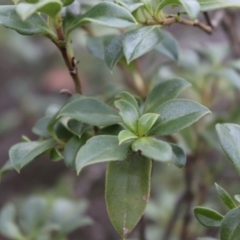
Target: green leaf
[[102, 148], [77, 128], [55, 155], [229, 136], [23, 153], [28, 1], [163, 92], [49, 7], [168, 47], [129, 98], [40, 127], [138, 42], [71, 149], [126, 135], [153, 148], [127, 191], [223, 194], [8, 228], [176, 115], [35, 25], [208, 5], [6, 168], [106, 14], [146, 122], [208, 217], [128, 113], [33, 214], [114, 51], [130, 6], [237, 197], [91, 111], [179, 157], [230, 227], [67, 2]]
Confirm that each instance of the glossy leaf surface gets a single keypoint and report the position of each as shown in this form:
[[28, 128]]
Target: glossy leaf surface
[[23, 153], [127, 191], [208, 217], [230, 227], [153, 148], [102, 148], [140, 41], [229, 135], [163, 92], [35, 25], [177, 115], [91, 111]]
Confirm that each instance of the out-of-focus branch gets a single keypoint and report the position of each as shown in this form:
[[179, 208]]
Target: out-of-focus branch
[[142, 229]]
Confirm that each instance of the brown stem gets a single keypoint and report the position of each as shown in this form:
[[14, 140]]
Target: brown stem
[[69, 60]]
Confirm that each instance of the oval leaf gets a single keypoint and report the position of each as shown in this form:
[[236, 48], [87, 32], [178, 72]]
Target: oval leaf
[[179, 157], [140, 41], [106, 14], [41, 127], [23, 153], [230, 227], [129, 98], [163, 92], [71, 149], [49, 7], [128, 113], [35, 25], [168, 47], [146, 122], [153, 148], [229, 135], [126, 135], [101, 149], [127, 191], [91, 111], [8, 228], [223, 194], [176, 115], [208, 217]]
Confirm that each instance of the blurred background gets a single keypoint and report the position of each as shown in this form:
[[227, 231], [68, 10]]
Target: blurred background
[[32, 74]]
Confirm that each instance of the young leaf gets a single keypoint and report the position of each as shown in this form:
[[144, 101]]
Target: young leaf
[[77, 128], [153, 148], [163, 92], [229, 135], [102, 148], [114, 51], [131, 7], [223, 194], [179, 157], [23, 153], [129, 98], [55, 155], [176, 115], [230, 227], [91, 111], [127, 191], [168, 47], [146, 122], [208, 217], [106, 14], [208, 5], [49, 7], [35, 25], [128, 113], [40, 127], [8, 228], [140, 41], [126, 135], [237, 197], [71, 149]]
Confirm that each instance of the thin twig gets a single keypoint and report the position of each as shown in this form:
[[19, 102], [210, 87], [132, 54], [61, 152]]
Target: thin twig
[[208, 19], [69, 61]]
